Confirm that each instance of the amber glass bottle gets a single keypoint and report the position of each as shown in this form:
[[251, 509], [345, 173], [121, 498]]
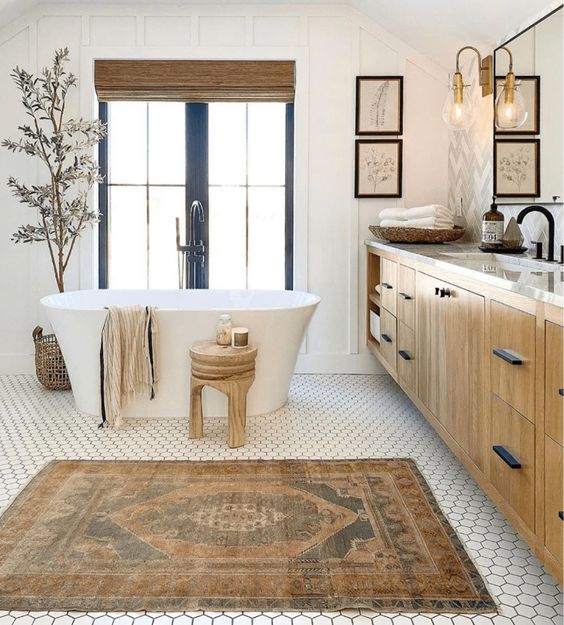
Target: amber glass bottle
[[492, 227]]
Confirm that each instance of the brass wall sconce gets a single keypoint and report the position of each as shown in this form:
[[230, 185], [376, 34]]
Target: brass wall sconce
[[459, 111], [510, 107]]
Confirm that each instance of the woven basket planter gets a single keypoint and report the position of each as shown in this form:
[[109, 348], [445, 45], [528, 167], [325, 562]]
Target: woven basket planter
[[417, 235], [50, 365]]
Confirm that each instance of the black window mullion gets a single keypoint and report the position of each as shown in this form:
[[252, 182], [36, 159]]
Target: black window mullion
[[289, 197], [197, 181], [103, 229]]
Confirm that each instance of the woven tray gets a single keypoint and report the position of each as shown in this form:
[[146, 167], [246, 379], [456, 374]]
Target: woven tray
[[417, 235]]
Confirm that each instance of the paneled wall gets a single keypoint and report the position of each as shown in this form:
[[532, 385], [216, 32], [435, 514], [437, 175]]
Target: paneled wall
[[331, 44]]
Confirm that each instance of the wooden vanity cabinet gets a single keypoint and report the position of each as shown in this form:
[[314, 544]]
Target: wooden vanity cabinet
[[485, 367], [450, 347], [554, 382]]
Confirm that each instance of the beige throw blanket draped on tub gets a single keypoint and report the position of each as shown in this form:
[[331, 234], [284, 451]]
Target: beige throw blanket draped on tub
[[127, 359]]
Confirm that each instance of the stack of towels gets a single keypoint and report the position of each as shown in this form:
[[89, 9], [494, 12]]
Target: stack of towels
[[432, 216]]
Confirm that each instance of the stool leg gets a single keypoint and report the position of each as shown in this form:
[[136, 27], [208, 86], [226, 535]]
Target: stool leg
[[237, 414], [196, 427]]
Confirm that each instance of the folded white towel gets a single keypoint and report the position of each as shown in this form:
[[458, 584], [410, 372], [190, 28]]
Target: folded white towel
[[417, 212], [423, 222]]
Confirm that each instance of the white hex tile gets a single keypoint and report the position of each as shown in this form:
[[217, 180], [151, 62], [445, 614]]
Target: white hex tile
[[327, 416]]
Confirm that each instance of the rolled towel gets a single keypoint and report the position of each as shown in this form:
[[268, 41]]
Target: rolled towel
[[417, 212]]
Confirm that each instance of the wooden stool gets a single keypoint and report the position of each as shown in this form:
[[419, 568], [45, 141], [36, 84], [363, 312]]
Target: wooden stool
[[229, 370]]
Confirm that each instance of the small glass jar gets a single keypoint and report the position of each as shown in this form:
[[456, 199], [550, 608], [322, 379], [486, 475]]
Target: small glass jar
[[223, 331]]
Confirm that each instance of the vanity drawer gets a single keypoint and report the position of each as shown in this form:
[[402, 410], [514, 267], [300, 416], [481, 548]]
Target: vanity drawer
[[388, 285], [512, 356], [406, 296], [554, 382], [388, 335], [553, 498], [512, 459], [406, 357]]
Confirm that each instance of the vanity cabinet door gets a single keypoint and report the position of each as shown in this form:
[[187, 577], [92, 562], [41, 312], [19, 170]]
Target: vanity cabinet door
[[553, 498], [554, 382], [388, 338], [450, 353]]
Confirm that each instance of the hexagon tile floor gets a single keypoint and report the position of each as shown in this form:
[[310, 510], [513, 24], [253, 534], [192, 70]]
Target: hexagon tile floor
[[327, 416]]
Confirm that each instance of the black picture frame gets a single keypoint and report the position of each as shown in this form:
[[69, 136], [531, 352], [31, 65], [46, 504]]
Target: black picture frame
[[360, 184], [500, 191], [535, 115], [361, 127]]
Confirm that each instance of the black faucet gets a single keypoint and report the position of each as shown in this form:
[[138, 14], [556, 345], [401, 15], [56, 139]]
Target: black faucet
[[550, 219]]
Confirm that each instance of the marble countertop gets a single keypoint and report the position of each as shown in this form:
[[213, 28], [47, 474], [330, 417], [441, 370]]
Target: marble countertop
[[521, 274]]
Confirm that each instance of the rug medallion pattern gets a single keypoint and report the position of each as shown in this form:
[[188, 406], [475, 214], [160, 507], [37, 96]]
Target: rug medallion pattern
[[233, 535]]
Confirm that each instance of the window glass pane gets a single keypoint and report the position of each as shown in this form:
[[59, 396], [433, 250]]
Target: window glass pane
[[167, 152], [267, 143], [127, 142], [165, 205], [266, 238], [127, 238], [227, 238], [227, 137]]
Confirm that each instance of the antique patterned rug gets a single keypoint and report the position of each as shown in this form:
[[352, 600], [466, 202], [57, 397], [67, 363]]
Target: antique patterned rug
[[233, 535]]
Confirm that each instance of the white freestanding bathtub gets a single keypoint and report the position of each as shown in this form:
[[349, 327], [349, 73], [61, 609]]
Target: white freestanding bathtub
[[277, 321]]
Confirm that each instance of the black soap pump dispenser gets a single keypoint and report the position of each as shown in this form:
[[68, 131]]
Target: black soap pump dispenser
[[492, 227]]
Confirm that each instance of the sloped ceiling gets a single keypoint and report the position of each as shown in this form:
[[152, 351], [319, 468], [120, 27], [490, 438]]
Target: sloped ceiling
[[436, 28]]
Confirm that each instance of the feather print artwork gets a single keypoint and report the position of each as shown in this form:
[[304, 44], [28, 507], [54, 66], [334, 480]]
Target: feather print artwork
[[378, 106]]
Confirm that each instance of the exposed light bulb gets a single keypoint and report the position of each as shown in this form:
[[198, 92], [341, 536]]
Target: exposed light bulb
[[510, 107], [458, 110]]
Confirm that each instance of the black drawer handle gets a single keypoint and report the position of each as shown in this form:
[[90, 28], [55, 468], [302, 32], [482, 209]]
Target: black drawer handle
[[404, 354], [507, 356], [405, 296], [386, 285], [386, 338], [507, 457], [561, 391], [561, 515]]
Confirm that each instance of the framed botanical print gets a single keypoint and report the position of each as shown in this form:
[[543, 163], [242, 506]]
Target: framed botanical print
[[517, 167], [529, 87], [379, 105], [378, 168]]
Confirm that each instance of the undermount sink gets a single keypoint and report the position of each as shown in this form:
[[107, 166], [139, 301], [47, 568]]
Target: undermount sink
[[520, 263]]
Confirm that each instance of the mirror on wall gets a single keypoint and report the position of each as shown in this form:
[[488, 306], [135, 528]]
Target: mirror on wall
[[528, 117]]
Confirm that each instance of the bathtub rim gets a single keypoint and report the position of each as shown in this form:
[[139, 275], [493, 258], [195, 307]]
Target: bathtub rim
[[46, 301]]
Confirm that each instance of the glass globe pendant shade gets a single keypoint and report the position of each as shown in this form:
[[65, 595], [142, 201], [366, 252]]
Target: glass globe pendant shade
[[459, 112], [510, 108]]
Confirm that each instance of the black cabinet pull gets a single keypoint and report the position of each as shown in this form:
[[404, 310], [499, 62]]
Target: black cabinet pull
[[561, 391], [404, 354], [386, 285], [437, 290], [386, 338], [561, 515], [445, 293], [507, 356], [405, 295], [506, 457]]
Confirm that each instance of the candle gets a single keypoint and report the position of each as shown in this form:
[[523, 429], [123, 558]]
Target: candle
[[239, 337]]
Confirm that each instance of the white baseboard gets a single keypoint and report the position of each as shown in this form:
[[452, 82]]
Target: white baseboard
[[16, 364], [338, 363]]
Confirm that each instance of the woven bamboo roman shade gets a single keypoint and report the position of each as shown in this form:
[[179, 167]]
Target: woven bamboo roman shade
[[194, 81]]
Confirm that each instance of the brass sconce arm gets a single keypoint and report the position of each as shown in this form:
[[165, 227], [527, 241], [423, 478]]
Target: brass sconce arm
[[486, 70]]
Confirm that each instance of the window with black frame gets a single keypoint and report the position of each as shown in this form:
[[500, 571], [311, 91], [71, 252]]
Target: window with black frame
[[234, 157]]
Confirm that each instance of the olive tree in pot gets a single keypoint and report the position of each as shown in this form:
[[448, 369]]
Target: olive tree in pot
[[65, 148]]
